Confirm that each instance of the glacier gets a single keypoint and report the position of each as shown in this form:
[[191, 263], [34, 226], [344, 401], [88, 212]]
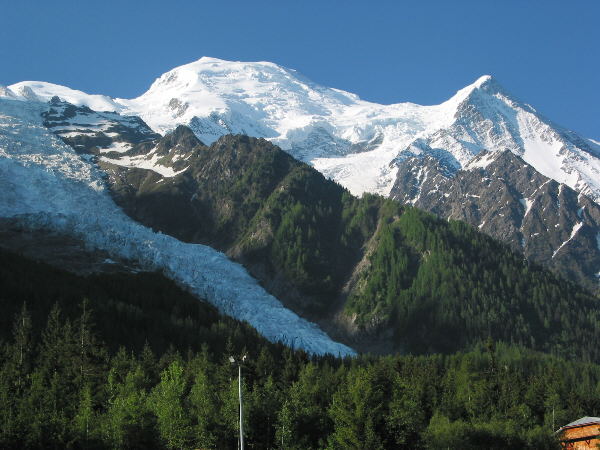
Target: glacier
[[46, 185]]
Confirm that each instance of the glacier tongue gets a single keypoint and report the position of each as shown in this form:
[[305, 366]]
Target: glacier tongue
[[46, 185]]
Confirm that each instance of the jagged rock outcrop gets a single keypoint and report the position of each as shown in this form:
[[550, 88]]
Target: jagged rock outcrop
[[508, 199]]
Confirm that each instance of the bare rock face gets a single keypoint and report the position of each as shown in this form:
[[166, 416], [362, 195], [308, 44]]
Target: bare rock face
[[508, 199], [95, 132]]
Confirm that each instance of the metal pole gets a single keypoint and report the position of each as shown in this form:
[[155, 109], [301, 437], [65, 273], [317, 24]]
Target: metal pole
[[241, 407]]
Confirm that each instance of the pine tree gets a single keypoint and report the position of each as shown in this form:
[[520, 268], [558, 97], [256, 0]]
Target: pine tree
[[204, 410], [166, 401]]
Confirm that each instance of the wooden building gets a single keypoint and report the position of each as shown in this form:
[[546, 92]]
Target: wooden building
[[581, 434]]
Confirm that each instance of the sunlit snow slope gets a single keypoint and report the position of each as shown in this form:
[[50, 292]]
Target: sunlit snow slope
[[46, 185], [355, 142]]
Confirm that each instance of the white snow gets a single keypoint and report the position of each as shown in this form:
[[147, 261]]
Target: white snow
[[350, 140], [322, 126], [7, 92], [45, 91], [119, 147], [527, 204], [574, 231], [149, 161], [46, 185], [481, 161]]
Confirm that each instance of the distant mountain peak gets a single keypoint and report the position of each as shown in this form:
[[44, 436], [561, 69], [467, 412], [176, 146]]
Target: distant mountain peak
[[353, 141], [482, 80], [485, 86]]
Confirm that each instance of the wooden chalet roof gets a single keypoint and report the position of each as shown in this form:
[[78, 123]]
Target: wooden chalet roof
[[584, 421]]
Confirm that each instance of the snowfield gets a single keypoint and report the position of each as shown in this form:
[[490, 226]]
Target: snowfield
[[46, 185], [355, 142]]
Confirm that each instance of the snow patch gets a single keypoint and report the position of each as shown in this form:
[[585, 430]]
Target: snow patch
[[574, 231], [149, 161], [119, 147], [527, 204], [481, 162]]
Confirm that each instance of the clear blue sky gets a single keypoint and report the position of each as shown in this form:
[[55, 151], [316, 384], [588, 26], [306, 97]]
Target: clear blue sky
[[547, 53]]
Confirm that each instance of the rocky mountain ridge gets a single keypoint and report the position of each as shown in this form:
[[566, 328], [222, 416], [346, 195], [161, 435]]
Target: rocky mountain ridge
[[508, 199], [357, 267]]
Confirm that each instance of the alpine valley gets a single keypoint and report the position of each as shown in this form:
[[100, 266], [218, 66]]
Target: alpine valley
[[214, 154], [542, 199], [239, 208]]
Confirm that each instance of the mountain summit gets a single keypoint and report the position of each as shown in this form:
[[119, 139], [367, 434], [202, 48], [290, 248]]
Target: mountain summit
[[355, 142]]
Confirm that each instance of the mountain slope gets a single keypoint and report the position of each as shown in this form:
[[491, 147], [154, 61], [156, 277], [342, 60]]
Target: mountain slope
[[381, 276], [96, 132], [508, 199], [306, 227], [46, 185], [485, 118], [364, 146]]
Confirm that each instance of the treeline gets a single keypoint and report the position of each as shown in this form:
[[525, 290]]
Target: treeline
[[147, 367], [433, 285], [443, 286], [65, 389]]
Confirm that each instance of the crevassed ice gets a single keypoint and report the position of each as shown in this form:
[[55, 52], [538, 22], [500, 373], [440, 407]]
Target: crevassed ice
[[45, 184]]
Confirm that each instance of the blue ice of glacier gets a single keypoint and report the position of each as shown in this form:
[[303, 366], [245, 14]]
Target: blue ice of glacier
[[45, 185]]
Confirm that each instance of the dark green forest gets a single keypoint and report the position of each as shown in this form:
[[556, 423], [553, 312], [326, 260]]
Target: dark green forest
[[131, 361], [491, 351], [439, 286]]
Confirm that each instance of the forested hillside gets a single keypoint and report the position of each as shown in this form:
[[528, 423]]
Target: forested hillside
[[75, 373], [361, 267]]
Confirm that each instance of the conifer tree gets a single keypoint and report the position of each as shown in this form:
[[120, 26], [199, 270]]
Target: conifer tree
[[166, 402]]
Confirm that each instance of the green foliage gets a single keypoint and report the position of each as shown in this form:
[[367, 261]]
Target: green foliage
[[127, 422], [204, 406], [166, 402], [430, 285], [443, 287], [358, 409], [497, 396], [302, 423]]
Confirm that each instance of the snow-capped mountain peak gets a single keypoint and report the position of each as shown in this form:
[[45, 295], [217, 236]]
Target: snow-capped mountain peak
[[485, 83], [355, 142], [487, 118], [45, 91], [259, 98]]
